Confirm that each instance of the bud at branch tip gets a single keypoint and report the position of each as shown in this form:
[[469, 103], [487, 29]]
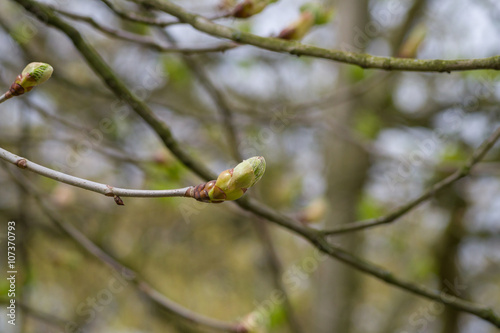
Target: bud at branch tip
[[34, 74]]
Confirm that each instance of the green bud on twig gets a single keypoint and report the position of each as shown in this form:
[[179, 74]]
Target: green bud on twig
[[311, 14], [232, 183], [320, 13], [34, 74], [250, 7]]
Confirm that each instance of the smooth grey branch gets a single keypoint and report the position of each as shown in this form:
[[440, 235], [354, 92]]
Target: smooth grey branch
[[87, 184]]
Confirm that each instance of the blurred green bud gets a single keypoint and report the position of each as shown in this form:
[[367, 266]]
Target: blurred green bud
[[321, 14], [311, 14], [250, 7], [299, 28], [233, 183]]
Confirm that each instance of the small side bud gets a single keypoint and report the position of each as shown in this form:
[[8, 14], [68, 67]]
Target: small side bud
[[314, 212], [311, 14], [250, 7]]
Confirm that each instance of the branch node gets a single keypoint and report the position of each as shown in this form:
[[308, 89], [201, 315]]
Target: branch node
[[236, 35], [109, 191], [22, 163]]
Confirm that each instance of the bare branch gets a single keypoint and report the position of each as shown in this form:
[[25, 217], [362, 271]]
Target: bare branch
[[87, 184], [116, 85], [218, 98], [130, 16], [152, 294], [147, 41], [464, 171], [295, 48], [133, 17], [442, 297]]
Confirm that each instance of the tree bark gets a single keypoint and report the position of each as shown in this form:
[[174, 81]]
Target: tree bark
[[346, 168]]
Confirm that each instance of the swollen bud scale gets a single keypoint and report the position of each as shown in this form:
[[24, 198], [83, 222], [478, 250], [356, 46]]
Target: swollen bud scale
[[231, 184]]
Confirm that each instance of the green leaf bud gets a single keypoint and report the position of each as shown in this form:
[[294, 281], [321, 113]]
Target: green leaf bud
[[34, 74], [233, 183]]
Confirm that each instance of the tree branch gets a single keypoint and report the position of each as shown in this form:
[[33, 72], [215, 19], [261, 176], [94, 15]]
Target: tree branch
[[220, 101], [131, 16], [87, 184], [144, 40], [464, 171], [3, 98], [388, 277], [116, 85], [296, 48], [152, 294]]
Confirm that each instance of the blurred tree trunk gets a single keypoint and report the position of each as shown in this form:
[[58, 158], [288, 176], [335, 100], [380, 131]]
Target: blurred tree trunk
[[447, 257], [346, 168]]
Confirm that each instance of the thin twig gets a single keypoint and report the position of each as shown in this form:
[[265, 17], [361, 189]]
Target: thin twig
[[296, 48], [218, 98], [441, 297], [233, 143], [87, 184], [117, 86], [3, 98], [130, 275], [131, 16], [111, 152], [320, 242], [144, 40], [49, 319], [457, 175]]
